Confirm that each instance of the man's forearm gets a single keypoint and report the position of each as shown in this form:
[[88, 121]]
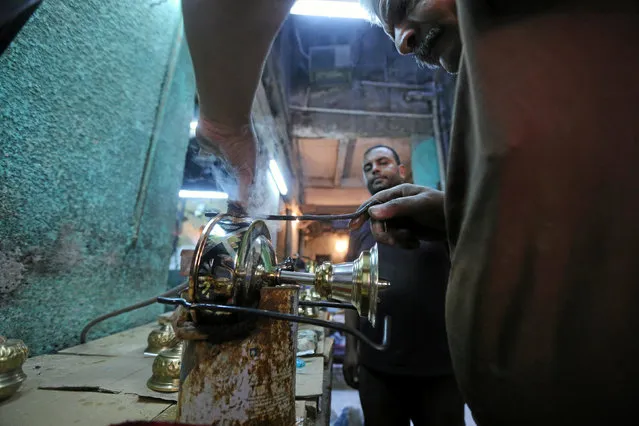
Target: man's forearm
[[229, 41]]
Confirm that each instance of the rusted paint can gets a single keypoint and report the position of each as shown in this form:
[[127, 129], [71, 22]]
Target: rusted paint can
[[244, 382]]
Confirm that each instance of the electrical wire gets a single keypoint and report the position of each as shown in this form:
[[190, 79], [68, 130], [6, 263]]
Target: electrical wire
[[289, 317], [147, 302]]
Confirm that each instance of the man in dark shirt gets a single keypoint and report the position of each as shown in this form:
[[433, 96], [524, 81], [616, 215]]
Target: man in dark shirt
[[413, 379]]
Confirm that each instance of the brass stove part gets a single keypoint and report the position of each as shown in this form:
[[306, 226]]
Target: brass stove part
[[160, 338], [355, 282], [309, 294], [13, 354], [234, 259], [166, 370]]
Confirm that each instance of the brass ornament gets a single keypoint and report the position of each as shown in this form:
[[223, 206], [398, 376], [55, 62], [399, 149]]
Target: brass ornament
[[166, 370], [13, 354], [160, 338]]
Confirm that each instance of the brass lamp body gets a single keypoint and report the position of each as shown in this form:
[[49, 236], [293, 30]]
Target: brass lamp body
[[234, 259]]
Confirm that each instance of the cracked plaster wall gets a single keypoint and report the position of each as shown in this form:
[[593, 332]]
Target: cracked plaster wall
[[80, 90]]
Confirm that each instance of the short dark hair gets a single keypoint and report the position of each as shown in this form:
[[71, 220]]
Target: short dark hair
[[395, 155]]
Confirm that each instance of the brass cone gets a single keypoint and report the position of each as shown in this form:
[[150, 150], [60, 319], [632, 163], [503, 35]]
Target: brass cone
[[166, 370]]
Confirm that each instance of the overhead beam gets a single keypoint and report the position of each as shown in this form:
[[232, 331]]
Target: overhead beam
[[361, 112], [317, 125], [325, 182], [335, 196], [342, 150]]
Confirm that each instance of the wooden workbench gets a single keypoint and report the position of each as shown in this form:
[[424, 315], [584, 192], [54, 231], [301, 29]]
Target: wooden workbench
[[103, 382]]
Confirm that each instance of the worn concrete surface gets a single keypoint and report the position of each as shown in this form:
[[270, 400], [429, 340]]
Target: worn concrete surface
[[81, 119]]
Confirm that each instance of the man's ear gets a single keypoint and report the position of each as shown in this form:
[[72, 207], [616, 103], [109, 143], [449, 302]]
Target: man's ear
[[402, 171]]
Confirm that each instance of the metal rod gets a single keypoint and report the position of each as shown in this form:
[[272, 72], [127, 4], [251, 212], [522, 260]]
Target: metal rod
[[363, 209], [288, 317], [291, 277], [327, 304], [142, 304], [359, 112]]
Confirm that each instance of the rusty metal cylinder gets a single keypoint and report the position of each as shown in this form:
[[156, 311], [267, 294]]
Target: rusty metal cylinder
[[244, 382]]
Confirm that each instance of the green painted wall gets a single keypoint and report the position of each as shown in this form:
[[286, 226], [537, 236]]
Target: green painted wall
[[94, 96], [424, 162]]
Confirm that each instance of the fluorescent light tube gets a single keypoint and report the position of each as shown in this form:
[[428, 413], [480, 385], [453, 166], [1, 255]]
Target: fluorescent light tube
[[329, 9], [203, 194], [277, 177]]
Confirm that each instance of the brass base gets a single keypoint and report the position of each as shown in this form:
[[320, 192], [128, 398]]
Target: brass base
[[171, 386], [10, 382], [166, 370]]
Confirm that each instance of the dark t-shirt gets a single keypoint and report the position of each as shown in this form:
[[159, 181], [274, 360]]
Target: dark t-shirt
[[415, 301], [542, 205]]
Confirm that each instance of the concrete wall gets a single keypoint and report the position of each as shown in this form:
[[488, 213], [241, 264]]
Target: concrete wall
[[95, 102]]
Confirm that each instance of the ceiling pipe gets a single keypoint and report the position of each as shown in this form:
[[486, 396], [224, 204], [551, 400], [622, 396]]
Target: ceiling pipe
[[360, 112], [388, 85]]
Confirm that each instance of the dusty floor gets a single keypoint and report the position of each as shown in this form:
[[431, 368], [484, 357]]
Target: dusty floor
[[344, 396]]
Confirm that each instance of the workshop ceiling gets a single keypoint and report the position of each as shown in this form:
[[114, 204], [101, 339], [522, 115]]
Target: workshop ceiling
[[332, 169], [347, 89]]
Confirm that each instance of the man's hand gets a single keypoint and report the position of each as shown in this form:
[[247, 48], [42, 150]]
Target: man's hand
[[236, 147], [406, 214]]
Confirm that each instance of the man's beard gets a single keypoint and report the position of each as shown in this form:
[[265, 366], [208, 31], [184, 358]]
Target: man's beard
[[424, 53], [387, 184]]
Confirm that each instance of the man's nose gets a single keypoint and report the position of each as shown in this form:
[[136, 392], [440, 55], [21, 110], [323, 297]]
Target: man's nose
[[405, 40]]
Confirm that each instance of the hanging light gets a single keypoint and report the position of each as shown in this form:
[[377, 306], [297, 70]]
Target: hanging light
[[329, 9]]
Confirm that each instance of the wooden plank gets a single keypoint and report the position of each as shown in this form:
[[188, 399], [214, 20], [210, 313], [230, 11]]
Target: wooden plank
[[328, 349], [168, 416], [37, 407], [300, 413], [126, 343], [55, 408], [115, 374], [308, 381], [324, 415]]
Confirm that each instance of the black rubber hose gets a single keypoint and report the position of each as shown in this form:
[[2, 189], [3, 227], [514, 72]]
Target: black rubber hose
[[147, 302]]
